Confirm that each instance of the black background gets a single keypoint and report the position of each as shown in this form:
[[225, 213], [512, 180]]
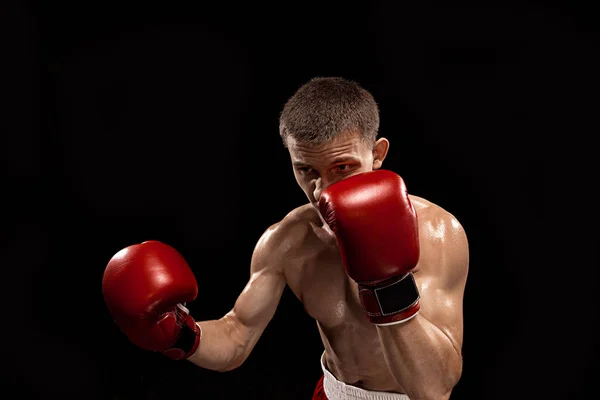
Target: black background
[[123, 123]]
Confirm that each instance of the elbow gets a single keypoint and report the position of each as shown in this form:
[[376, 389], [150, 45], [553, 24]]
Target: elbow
[[424, 394], [450, 383], [449, 379], [231, 366], [454, 375], [226, 369], [221, 367], [439, 391], [440, 395], [238, 345], [447, 385], [241, 355]]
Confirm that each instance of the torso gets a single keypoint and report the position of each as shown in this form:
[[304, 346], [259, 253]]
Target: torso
[[353, 352]]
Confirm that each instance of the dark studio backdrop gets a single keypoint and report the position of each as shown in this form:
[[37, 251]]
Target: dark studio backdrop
[[123, 123]]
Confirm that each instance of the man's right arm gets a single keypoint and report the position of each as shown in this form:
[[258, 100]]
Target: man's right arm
[[227, 342]]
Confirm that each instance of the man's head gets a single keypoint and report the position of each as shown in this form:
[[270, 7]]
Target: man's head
[[330, 128]]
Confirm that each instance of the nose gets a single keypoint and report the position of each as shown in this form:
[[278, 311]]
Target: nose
[[320, 185], [318, 189]]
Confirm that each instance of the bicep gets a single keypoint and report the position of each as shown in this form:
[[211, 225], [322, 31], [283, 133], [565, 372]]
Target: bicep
[[253, 310], [442, 280], [257, 303]]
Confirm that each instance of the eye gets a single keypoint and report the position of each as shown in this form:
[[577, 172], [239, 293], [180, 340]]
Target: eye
[[342, 167], [304, 170]]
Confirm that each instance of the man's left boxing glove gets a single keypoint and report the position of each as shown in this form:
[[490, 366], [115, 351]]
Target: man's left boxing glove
[[145, 287], [377, 233]]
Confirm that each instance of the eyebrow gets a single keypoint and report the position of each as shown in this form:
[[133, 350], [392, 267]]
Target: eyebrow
[[345, 159], [300, 164], [338, 160]]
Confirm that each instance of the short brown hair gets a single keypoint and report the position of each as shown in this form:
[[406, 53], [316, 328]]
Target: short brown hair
[[325, 107]]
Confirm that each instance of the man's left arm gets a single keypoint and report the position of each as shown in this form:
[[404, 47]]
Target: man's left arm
[[424, 352], [411, 276]]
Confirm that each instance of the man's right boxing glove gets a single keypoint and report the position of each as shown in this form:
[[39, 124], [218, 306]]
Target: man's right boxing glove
[[145, 287]]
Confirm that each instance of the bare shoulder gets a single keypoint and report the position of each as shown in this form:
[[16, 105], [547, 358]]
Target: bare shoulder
[[435, 220], [443, 240], [282, 243]]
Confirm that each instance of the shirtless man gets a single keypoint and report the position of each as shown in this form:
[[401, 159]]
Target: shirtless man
[[381, 272]]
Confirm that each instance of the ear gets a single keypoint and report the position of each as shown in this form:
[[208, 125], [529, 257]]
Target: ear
[[380, 150]]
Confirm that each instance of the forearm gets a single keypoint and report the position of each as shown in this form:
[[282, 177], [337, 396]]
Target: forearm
[[228, 341], [421, 357], [220, 348]]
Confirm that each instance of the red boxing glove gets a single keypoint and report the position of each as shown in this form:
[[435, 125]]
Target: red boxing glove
[[376, 229], [144, 286]]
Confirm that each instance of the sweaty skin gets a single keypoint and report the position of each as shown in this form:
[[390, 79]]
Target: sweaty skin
[[301, 251]]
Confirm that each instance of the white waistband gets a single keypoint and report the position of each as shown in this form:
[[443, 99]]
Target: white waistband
[[336, 390]]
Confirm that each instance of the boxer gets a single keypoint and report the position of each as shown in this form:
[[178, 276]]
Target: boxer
[[381, 271]]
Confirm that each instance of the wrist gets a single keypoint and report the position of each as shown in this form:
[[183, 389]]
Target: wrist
[[392, 301], [189, 336]]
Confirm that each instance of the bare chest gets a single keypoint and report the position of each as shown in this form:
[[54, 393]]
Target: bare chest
[[331, 298], [327, 293], [321, 284]]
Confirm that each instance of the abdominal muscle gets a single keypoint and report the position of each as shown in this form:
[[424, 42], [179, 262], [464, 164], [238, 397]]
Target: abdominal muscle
[[354, 356], [353, 352]]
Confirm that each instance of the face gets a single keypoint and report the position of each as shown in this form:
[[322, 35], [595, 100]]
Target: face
[[346, 155]]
